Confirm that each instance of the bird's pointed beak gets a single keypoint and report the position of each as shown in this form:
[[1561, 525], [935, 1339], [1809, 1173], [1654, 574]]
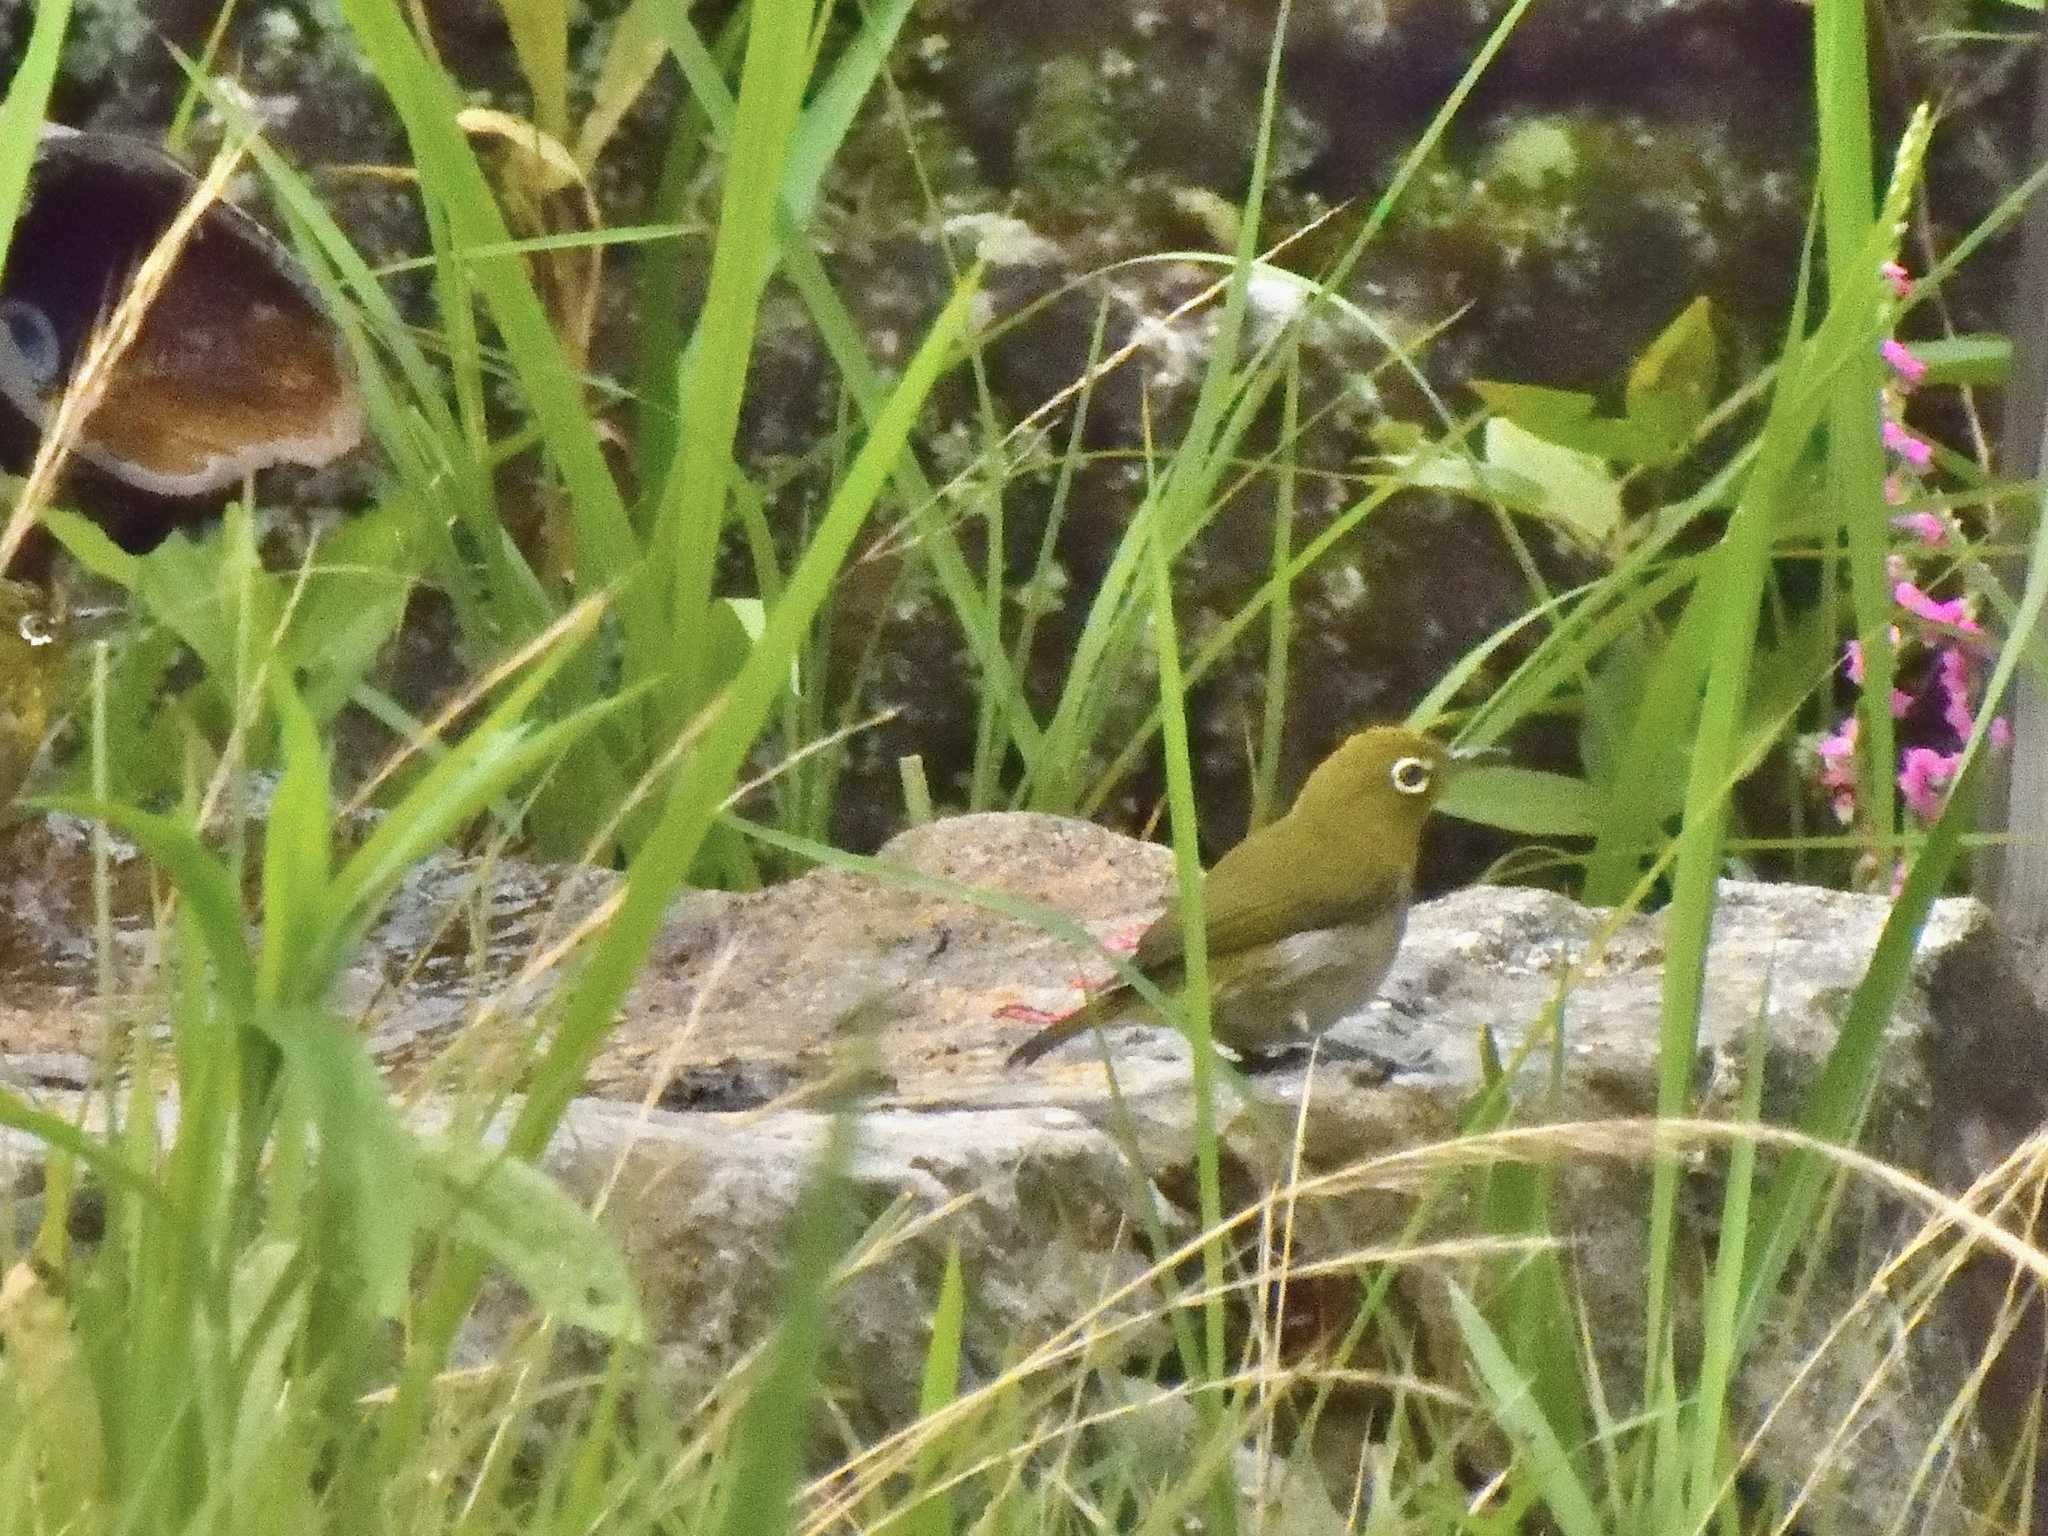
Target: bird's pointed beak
[[1466, 757]]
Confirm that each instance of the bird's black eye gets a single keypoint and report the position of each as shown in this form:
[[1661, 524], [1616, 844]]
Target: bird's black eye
[[1411, 775], [34, 339]]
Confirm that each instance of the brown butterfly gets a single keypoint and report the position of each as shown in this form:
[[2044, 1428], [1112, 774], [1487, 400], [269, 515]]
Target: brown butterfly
[[237, 366]]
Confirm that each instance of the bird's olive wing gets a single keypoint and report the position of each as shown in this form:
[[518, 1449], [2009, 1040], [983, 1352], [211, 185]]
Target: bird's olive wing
[[1261, 892]]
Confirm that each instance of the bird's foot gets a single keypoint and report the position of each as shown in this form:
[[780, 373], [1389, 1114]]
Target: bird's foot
[[1407, 1007], [1378, 1068], [1125, 940], [1024, 1013], [1257, 1063]]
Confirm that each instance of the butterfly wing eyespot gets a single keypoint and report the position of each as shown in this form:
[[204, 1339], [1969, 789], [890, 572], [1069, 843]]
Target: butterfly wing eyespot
[[1411, 775], [33, 336]]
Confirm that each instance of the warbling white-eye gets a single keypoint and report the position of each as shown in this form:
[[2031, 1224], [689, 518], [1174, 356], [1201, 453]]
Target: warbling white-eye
[[1303, 917], [28, 676]]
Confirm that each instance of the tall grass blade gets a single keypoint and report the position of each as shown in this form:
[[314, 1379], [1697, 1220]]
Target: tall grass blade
[[709, 773], [23, 110], [775, 1426], [1565, 1496], [694, 501]]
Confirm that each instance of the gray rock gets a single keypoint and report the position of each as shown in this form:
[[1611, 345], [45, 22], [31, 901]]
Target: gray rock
[[761, 1015], [1044, 1220]]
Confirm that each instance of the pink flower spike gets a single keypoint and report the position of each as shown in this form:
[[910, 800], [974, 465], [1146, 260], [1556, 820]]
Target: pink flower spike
[[2001, 734], [1901, 702], [1927, 527], [1908, 367], [1852, 655], [1840, 747], [1896, 278], [1922, 779], [1954, 612], [1837, 754], [1906, 445], [1953, 679]]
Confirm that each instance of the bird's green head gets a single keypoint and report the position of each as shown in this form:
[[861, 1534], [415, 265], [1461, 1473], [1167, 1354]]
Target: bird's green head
[[1379, 785]]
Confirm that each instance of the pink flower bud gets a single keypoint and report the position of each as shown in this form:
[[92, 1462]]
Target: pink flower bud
[[1927, 527], [1954, 613], [1908, 367], [1906, 445], [1923, 776], [1952, 681]]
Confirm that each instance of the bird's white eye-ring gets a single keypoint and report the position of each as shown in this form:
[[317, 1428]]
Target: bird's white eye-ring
[[1411, 775]]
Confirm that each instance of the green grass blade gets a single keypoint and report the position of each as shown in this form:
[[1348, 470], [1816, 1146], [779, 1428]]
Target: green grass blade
[[1566, 1497], [708, 775], [607, 553], [829, 116], [694, 501], [1720, 1330], [775, 1426], [933, 1512], [297, 844], [27, 101]]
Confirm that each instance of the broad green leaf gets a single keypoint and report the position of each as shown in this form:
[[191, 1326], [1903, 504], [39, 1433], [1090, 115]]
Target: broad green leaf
[[204, 591], [1525, 800], [365, 1155], [50, 1377], [1551, 413], [352, 604], [1558, 484], [525, 1221], [1671, 386], [1980, 359], [1569, 419]]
